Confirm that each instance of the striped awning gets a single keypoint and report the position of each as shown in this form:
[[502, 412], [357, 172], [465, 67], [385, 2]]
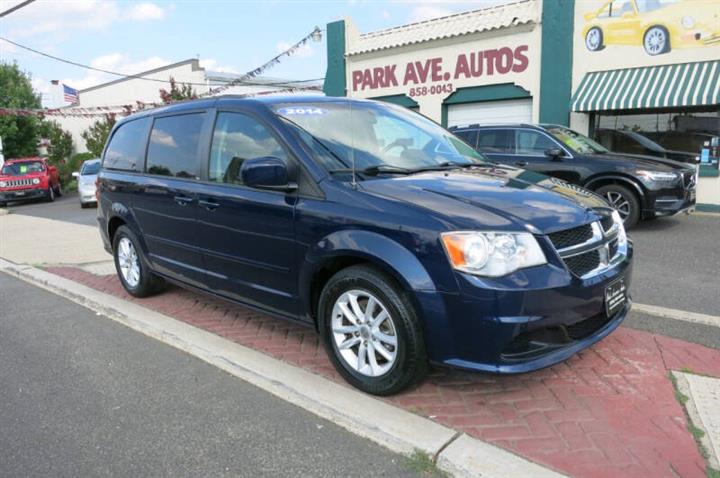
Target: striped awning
[[664, 86]]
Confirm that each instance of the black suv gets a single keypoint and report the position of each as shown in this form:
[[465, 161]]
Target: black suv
[[639, 187]]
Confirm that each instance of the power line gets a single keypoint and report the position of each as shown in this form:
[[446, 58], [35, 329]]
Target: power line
[[143, 77], [16, 7]]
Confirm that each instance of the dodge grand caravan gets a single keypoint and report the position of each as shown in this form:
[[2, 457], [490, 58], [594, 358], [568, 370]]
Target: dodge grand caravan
[[387, 233]]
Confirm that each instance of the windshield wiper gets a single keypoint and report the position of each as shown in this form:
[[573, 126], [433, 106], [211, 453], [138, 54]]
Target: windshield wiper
[[443, 166], [375, 170]]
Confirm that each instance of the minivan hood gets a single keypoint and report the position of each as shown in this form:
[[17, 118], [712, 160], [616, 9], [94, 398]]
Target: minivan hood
[[494, 197], [645, 162]]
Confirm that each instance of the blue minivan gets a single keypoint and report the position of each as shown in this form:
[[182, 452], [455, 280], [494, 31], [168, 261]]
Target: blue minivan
[[397, 241]]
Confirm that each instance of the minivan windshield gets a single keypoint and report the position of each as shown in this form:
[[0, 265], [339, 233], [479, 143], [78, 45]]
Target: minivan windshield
[[376, 136], [22, 168], [576, 141]]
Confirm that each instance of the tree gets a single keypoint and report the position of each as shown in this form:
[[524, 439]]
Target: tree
[[19, 133], [61, 144], [97, 134], [184, 91]]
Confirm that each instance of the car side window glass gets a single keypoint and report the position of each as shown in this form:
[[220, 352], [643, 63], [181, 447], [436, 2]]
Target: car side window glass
[[238, 137], [126, 150], [469, 136], [494, 141], [532, 143], [174, 143]]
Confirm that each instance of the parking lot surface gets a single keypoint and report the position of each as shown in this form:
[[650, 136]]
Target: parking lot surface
[[65, 208]]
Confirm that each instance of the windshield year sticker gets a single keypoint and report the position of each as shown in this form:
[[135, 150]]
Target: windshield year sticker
[[23, 169], [296, 110]]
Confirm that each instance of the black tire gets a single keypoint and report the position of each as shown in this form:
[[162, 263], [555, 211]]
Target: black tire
[[665, 47], [631, 214], [411, 360], [592, 46], [148, 283], [50, 194], [58, 190]]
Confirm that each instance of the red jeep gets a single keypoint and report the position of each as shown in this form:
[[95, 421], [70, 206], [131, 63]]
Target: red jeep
[[28, 178]]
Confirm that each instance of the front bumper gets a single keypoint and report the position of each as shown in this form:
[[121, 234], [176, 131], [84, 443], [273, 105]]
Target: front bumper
[[534, 319], [22, 194], [670, 202]]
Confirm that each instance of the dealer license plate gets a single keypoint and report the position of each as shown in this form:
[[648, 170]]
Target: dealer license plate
[[20, 193], [615, 297]]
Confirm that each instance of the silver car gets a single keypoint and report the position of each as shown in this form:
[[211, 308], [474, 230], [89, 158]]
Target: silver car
[[86, 182]]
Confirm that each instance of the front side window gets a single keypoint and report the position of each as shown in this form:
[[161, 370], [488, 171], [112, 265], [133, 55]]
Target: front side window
[[532, 143], [126, 150], [238, 137], [174, 143], [371, 135]]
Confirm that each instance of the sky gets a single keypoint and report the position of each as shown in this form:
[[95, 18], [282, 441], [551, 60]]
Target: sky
[[226, 35]]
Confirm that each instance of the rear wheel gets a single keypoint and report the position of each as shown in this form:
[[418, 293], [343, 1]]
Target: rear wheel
[[58, 190], [594, 39], [625, 202], [371, 332], [132, 269], [656, 41]]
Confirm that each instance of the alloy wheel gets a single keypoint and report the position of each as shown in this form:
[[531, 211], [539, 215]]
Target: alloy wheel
[[619, 202], [592, 39], [364, 333], [655, 41], [129, 262]]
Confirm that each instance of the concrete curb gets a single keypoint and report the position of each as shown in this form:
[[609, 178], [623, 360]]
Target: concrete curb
[[4, 212], [676, 314], [683, 379], [392, 427]]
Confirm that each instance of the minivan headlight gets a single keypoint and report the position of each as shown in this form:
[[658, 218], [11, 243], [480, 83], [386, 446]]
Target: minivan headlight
[[492, 254]]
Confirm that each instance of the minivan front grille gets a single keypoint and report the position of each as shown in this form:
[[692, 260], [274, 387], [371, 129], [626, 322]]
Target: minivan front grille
[[583, 263], [13, 183], [571, 237]]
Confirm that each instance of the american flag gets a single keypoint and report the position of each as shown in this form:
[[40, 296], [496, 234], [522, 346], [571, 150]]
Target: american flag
[[70, 94]]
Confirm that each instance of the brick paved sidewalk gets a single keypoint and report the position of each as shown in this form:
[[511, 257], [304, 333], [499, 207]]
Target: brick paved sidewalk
[[610, 411]]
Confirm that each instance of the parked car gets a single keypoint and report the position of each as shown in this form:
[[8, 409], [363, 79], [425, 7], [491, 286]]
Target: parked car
[[638, 187], [86, 178], [631, 142], [28, 178], [656, 25], [387, 233]]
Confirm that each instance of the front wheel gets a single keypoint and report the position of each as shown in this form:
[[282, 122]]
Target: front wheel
[[656, 41], [50, 194], [133, 271], [624, 201], [371, 332]]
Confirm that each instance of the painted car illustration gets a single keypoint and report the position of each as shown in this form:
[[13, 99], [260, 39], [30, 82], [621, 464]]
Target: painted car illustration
[[657, 25]]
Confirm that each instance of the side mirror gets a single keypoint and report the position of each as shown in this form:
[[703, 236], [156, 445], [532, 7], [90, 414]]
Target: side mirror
[[267, 172], [76, 174], [555, 154]]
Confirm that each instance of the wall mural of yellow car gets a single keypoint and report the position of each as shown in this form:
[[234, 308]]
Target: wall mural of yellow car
[[656, 25]]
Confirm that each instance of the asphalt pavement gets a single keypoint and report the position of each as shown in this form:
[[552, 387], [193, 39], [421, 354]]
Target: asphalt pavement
[[65, 208], [84, 396], [677, 263]]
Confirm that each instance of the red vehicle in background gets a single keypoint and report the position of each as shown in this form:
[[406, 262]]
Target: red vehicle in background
[[28, 178]]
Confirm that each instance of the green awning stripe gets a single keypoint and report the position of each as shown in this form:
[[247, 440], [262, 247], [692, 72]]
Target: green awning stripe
[[662, 86]]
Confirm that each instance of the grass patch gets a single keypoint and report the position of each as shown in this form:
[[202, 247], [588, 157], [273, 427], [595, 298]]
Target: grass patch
[[696, 432], [712, 473], [679, 396], [421, 463]]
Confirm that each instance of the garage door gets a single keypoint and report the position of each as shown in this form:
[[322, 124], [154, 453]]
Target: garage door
[[491, 112]]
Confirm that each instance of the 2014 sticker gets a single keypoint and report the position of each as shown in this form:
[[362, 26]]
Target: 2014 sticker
[[301, 110]]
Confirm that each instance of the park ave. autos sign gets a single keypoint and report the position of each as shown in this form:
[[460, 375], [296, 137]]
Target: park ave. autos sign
[[436, 75]]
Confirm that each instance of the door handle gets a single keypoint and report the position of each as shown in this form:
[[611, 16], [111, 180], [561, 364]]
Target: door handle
[[208, 204], [521, 163], [183, 200]]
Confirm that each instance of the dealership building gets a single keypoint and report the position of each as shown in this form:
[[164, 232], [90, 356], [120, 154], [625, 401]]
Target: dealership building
[[634, 74]]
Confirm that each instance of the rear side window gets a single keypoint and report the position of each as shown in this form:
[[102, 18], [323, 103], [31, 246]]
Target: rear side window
[[238, 137], [469, 136], [494, 141], [174, 144], [126, 150]]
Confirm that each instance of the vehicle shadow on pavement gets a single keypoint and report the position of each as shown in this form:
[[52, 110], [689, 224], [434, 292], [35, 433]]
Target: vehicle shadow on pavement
[[608, 411]]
